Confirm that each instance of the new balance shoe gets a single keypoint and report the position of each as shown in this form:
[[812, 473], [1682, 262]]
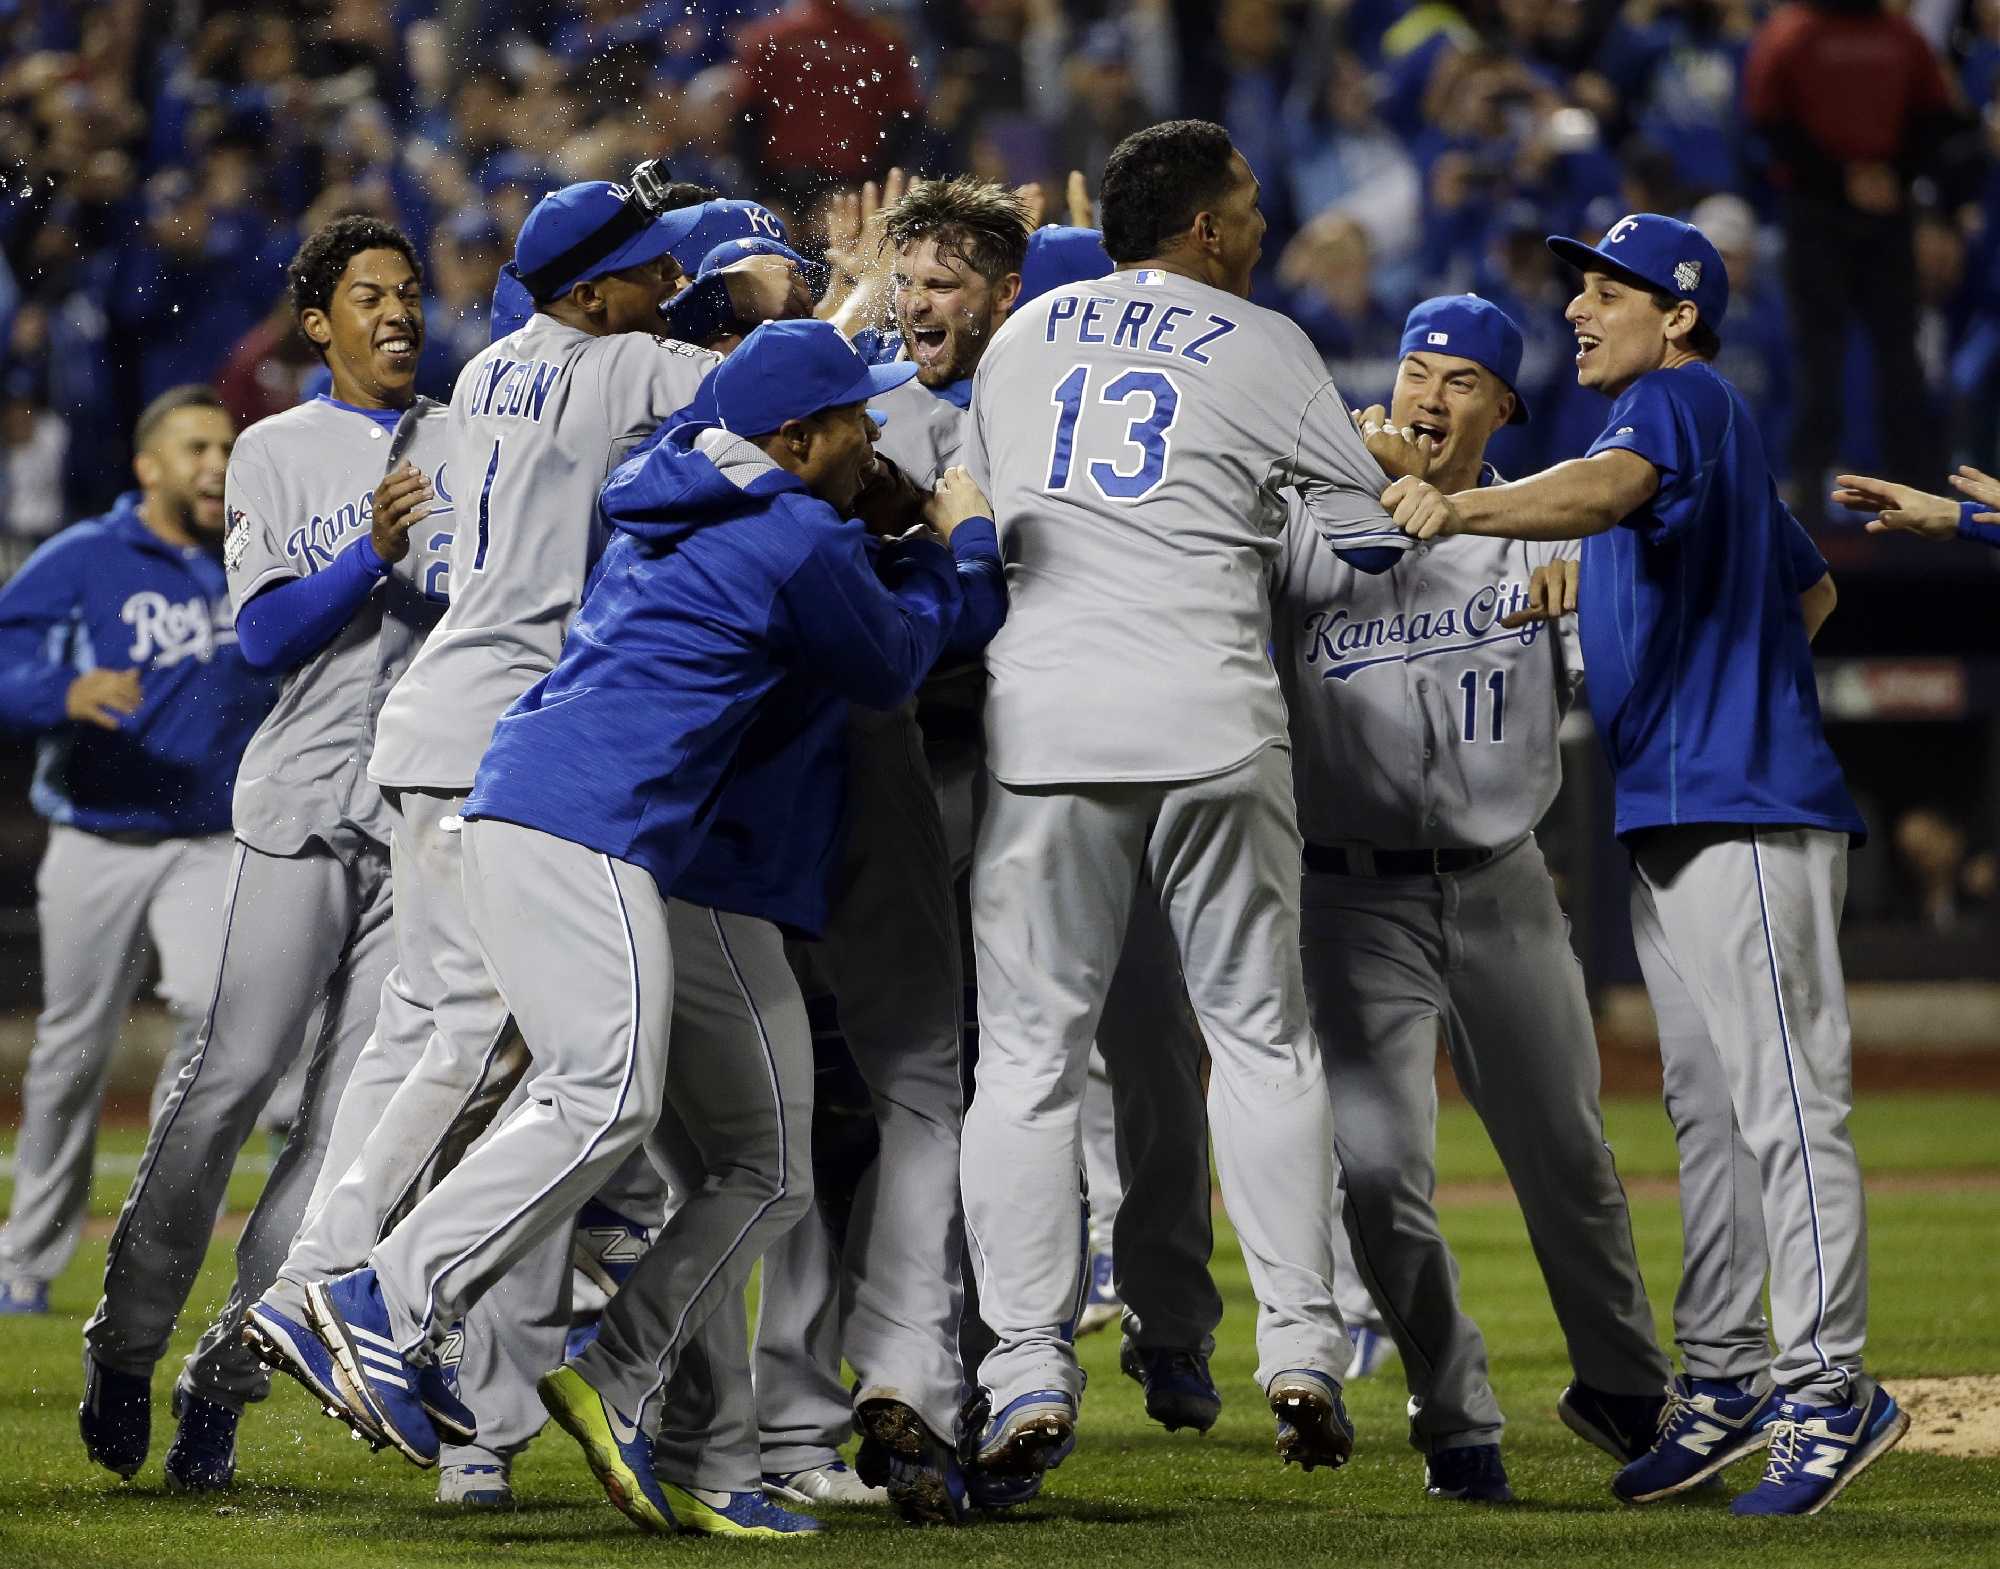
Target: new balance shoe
[[1817, 1450], [476, 1484], [1706, 1424], [1032, 1433], [352, 1322], [615, 1447], [116, 1417], [437, 1392], [833, 1483], [1623, 1426], [1471, 1475], [23, 1298], [1372, 1351], [699, 1512], [287, 1346], [922, 1474], [202, 1457], [1179, 1391], [1101, 1305], [1313, 1429]]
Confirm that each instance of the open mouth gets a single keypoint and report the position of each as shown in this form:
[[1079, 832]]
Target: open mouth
[[1423, 427], [927, 344], [1585, 342], [397, 345]]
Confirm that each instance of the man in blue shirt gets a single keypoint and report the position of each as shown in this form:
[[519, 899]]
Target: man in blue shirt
[[116, 647], [1697, 609]]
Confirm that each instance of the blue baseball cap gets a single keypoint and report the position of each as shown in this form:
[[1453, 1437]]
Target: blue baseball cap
[[587, 230], [790, 369], [1661, 252], [727, 218], [1473, 329], [1058, 255], [816, 274]]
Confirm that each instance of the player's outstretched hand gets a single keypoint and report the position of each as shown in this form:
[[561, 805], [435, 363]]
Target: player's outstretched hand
[[105, 698], [766, 288], [856, 250], [1082, 210], [1398, 448], [399, 506], [1551, 595], [1899, 509], [1420, 509], [1981, 487], [955, 499]]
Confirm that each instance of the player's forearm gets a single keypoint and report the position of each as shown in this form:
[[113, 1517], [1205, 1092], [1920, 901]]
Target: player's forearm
[[1582, 497]]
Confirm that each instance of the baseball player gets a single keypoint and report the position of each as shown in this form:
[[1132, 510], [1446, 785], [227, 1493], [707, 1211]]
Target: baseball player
[[116, 647], [707, 622], [1695, 617], [536, 423], [1136, 436], [1424, 752], [328, 584]]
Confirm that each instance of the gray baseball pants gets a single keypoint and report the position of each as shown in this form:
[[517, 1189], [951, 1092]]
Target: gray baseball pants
[[98, 902], [304, 936], [1483, 956], [1738, 933], [1054, 877]]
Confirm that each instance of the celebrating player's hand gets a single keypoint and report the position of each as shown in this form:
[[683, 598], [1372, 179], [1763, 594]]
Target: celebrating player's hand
[[1082, 210], [105, 698], [399, 506], [766, 288], [1899, 508], [1398, 448], [855, 251], [1420, 509], [955, 499], [1976, 485], [1551, 595]]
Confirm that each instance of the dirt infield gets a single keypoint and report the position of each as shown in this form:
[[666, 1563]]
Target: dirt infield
[[1952, 1416]]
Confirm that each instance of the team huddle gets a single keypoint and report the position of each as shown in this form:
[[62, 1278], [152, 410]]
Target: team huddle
[[615, 743]]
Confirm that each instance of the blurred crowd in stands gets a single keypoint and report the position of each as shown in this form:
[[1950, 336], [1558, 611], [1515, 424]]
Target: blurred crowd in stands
[[160, 160]]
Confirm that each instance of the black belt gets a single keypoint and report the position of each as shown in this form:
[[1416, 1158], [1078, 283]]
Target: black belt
[[1394, 863]]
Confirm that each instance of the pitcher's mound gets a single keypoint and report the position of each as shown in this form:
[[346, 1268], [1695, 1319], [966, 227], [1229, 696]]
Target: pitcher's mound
[[1952, 1416]]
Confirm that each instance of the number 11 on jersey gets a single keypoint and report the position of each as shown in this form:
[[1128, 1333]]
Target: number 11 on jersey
[[1496, 687]]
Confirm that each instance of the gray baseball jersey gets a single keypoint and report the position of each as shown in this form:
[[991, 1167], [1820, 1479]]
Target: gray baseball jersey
[[538, 420], [301, 489], [924, 432], [1139, 433], [1417, 721]]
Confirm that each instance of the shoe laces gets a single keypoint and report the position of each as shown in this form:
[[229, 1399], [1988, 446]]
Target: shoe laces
[[1784, 1452], [1677, 1407]]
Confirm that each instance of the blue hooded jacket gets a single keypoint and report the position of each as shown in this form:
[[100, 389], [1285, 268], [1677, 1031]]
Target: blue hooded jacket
[[110, 593], [725, 580]]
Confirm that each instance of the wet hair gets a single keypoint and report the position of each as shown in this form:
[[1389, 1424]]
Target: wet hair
[[1157, 181], [316, 271], [190, 395], [982, 223]]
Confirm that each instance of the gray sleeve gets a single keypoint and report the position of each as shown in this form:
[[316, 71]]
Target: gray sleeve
[[643, 379], [1328, 466], [972, 449], [253, 547]]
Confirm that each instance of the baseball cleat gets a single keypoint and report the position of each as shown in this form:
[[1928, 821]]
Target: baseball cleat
[[289, 1347], [1313, 1429], [1032, 1433], [922, 1474], [23, 1298], [1623, 1426], [116, 1417], [615, 1447], [1101, 1305], [352, 1322], [437, 1391], [1706, 1424], [698, 1512], [833, 1483], [476, 1484], [1179, 1391], [202, 1458], [1372, 1351], [1471, 1475], [1817, 1450], [996, 1490]]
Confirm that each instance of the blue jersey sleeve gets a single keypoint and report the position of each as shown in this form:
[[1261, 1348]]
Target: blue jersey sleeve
[[1807, 564], [1652, 422], [975, 548], [285, 625], [1968, 528], [37, 606]]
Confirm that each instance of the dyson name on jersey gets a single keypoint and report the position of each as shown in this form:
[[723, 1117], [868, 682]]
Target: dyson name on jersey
[[166, 631], [1346, 644], [514, 387]]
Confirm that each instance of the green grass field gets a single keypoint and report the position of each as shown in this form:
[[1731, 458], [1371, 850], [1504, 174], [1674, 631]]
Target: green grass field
[[308, 1495]]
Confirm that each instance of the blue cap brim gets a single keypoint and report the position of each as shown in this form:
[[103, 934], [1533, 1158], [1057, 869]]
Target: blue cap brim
[[649, 244], [874, 381], [1587, 258]]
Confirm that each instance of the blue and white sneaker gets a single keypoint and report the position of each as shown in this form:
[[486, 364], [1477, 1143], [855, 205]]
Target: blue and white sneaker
[[475, 1484], [1101, 1305], [1032, 1433], [1313, 1427], [616, 1447], [1372, 1351], [995, 1490], [202, 1457], [1469, 1475], [836, 1483], [1623, 1426], [352, 1322], [1818, 1450], [116, 1417], [23, 1298], [1706, 1424], [1179, 1389], [289, 1347], [925, 1480], [701, 1512]]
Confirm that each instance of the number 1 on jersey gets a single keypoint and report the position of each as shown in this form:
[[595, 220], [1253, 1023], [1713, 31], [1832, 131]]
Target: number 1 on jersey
[[1148, 432], [485, 504]]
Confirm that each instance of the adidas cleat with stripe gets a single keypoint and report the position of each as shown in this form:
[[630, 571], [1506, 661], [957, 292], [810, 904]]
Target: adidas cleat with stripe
[[352, 1322]]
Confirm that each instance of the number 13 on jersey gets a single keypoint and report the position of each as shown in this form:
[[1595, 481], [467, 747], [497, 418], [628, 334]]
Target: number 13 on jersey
[[1149, 430]]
